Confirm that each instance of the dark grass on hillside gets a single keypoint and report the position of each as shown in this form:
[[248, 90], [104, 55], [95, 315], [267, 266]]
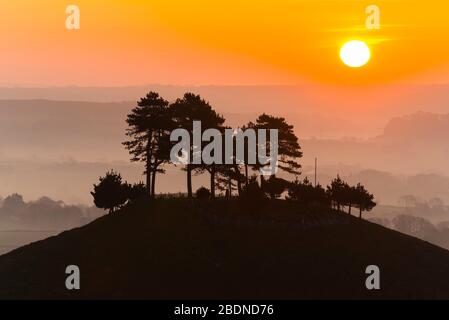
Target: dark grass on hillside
[[181, 249]]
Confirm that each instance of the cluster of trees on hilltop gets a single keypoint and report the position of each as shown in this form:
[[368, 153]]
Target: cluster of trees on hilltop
[[342, 194], [151, 122], [150, 125], [338, 195]]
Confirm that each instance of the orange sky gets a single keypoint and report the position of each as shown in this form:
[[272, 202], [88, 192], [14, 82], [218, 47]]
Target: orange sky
[[130, 42]]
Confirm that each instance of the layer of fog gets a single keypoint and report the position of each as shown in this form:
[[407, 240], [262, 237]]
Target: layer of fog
[[43, 214]]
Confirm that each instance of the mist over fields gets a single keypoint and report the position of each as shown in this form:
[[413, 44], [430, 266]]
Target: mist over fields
[[59, 148], [366, 110], [23, 222]]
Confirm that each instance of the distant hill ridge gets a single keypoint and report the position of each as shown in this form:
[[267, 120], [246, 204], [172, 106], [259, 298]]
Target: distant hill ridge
[[424, 127]]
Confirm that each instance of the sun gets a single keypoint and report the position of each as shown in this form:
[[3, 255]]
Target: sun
[[355, 54]]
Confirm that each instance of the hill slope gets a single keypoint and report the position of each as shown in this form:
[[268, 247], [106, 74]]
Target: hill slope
[[179, 250]]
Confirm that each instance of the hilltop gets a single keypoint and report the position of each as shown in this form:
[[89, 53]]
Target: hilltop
[[181, 249]]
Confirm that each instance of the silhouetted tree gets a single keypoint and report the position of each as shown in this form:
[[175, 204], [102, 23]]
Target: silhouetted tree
[[363, 199], [203, 193], [320, 195], [162, 155], [274, 187], [304, 192], [289, 150], [110, 193], [252, 192], [336, 192], [149, 129], [136, 191], [229, 178], [246, 164], [348, 196], [193, 108], [228, 174]]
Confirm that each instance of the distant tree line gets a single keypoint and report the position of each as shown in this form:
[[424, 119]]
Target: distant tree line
[[150, 124], [43, 212]]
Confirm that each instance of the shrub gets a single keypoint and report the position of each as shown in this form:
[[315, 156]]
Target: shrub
[[305, 193], [137, 191], [110, 193], [274, 187], [252, 192], [203, 193]]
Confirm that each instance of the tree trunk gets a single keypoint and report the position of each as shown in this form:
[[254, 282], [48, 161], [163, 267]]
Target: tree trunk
[[262, 180], [239, 186], [246, 174], [350, 205], [153, 185], [230, 187], [149, 152], [155, 166], [148, 173], [189, 181], [212, 182], [360, 213]]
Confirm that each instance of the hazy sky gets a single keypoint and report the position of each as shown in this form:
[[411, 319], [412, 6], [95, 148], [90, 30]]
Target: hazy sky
[[129, 42], [213, 42]]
